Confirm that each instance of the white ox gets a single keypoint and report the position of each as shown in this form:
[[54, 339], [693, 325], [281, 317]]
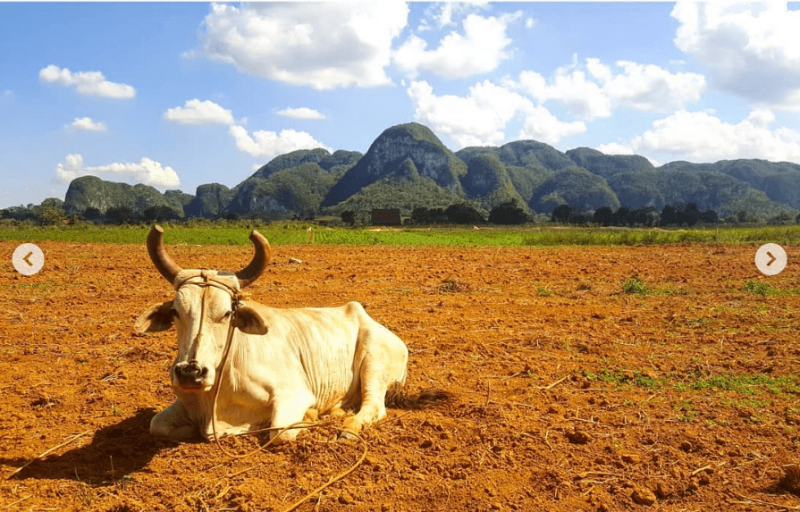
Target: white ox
[[282, 363]]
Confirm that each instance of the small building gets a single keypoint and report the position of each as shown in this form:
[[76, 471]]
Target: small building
[[386, 217]]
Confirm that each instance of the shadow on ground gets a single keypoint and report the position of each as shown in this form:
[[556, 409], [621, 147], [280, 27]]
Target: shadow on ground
[[115, 451]]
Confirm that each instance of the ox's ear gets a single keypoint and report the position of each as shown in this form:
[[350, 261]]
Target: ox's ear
[[250, 321], [156, 318]]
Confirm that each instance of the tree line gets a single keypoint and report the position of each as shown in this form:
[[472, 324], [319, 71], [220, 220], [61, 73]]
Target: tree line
[[51, 212]]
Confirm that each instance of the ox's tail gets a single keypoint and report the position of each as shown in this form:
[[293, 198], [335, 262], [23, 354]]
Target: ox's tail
[[397, 398]]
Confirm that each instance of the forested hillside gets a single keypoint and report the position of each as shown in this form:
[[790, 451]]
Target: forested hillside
[[408, 167]]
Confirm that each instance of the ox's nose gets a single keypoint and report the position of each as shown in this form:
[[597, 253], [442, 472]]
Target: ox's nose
[[190, 374]]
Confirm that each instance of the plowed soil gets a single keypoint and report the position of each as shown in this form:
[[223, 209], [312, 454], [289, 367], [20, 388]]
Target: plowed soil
[[570, 394]]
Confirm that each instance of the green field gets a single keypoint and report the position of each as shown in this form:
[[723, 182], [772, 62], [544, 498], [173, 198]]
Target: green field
[[302, 233]]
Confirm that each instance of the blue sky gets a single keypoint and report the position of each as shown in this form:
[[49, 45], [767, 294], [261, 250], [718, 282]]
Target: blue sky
[[180, 94]]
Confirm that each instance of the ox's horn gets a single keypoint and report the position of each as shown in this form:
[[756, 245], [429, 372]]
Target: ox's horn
[[259, 263], [164, 264]]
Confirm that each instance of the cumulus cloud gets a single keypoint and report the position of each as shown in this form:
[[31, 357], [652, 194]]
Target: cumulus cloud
[[480, 49], [267, 144], [593, 90], [703, 137], [582, 97], [87, 124], [146, 171], [301, 113], [750, 49], [321, 45], [199, 112], [615, 148], [92, 83], [444, 14], [481, 117]]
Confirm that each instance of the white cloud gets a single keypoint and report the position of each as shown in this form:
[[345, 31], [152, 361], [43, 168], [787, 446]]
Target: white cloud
[[540, 124], [592, 91], [702, 137], [444, 14], [615, 148], [199, 112], [268, 144], [321, 45], [750, 49], [146, 171], [474, 120], [582, 97], [301, 113], [92, 83], [481, 117], [87, 124], [481, 49], [651, 88]]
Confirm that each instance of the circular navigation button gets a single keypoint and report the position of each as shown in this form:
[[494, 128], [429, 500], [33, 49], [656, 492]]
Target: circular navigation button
[[28, 259], [770, 259]]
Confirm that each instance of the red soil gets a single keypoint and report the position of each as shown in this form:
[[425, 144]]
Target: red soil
[[570, 395]]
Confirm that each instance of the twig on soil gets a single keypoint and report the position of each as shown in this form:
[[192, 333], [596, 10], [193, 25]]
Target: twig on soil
[[390, 420], [546, 433], [18, 501], [762, 502], [550, 386], [700, 470], [46, 452], [334, 479]]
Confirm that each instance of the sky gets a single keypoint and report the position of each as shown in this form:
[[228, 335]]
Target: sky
[[175, 95]]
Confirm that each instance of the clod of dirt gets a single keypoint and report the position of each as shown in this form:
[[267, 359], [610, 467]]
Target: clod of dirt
[[790, 481], [663, 490], [630, 458], [578, 437], [643, 496]]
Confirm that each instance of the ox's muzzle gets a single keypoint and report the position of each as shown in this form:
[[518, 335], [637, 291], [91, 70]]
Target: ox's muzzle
[[190, 374]]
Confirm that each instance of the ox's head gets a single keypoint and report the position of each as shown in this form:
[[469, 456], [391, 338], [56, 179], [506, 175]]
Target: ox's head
[[205, 310]]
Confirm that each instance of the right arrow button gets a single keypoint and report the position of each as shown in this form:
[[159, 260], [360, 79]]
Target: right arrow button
[[771, 259]]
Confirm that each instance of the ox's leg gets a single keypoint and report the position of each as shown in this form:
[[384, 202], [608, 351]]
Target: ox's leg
[[384, 363], [174, 423], [288, 409]]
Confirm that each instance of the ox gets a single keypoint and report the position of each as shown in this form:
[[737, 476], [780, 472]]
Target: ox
[[257, 366]]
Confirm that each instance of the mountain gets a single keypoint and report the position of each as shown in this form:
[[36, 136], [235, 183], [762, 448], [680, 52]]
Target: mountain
[[576, 187], [780, 181], [407, 166], [406, 141], [319, 156], [402, 188], [296, 191], [92, 192], [488, 183], [607, 165], [210, 200]]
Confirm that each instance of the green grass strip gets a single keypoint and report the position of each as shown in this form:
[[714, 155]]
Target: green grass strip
[[299, 233]]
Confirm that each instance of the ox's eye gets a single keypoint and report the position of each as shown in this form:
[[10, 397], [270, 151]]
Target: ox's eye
[[227, 314]]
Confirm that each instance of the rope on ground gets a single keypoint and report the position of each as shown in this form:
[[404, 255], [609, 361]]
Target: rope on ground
[[333, 480]]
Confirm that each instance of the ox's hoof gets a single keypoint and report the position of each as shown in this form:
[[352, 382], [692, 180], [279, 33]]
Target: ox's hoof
[[347, 435]]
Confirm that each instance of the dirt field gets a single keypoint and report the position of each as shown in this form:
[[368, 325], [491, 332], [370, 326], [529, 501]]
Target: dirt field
[[570, 395]]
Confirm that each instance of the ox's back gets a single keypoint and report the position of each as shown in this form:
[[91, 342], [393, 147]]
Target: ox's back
[[321, 349]]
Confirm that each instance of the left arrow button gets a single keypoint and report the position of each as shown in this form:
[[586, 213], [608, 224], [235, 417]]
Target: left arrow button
[[28, 259]]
